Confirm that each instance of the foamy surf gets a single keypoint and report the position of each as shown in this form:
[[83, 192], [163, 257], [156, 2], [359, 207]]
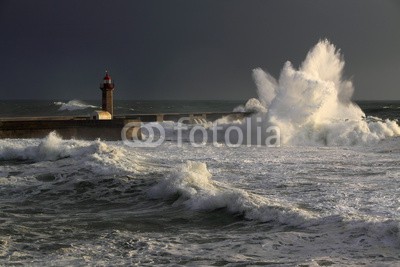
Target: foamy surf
[[101, 157], [171, 204], [191, 186]]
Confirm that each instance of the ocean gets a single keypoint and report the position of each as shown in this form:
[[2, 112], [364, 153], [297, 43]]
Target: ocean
[[328, 195], [72, 202]]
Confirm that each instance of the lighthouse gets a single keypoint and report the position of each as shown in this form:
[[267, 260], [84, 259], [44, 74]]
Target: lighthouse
[[107, 88]]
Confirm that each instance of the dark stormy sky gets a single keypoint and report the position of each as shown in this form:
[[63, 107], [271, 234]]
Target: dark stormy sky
[[188, 49]]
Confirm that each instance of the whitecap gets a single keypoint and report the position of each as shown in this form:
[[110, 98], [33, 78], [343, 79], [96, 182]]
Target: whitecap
[[73, 105]]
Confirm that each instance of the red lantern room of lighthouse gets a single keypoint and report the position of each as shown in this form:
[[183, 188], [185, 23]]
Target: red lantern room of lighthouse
[[107, 88]]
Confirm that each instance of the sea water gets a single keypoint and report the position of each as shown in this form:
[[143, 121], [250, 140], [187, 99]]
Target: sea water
[[329, 195]]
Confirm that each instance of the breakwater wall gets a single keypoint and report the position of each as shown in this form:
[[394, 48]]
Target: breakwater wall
[[88, 128], [191, 117], [67, 128]]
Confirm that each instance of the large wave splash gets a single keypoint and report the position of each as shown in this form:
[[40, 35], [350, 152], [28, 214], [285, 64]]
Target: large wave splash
[[312, 105], [73, 105]]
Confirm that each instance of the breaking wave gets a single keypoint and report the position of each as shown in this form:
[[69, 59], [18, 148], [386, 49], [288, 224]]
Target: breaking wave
[[96, 155], [312, 104], [73, 105], [191, 186], [197, 191]]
